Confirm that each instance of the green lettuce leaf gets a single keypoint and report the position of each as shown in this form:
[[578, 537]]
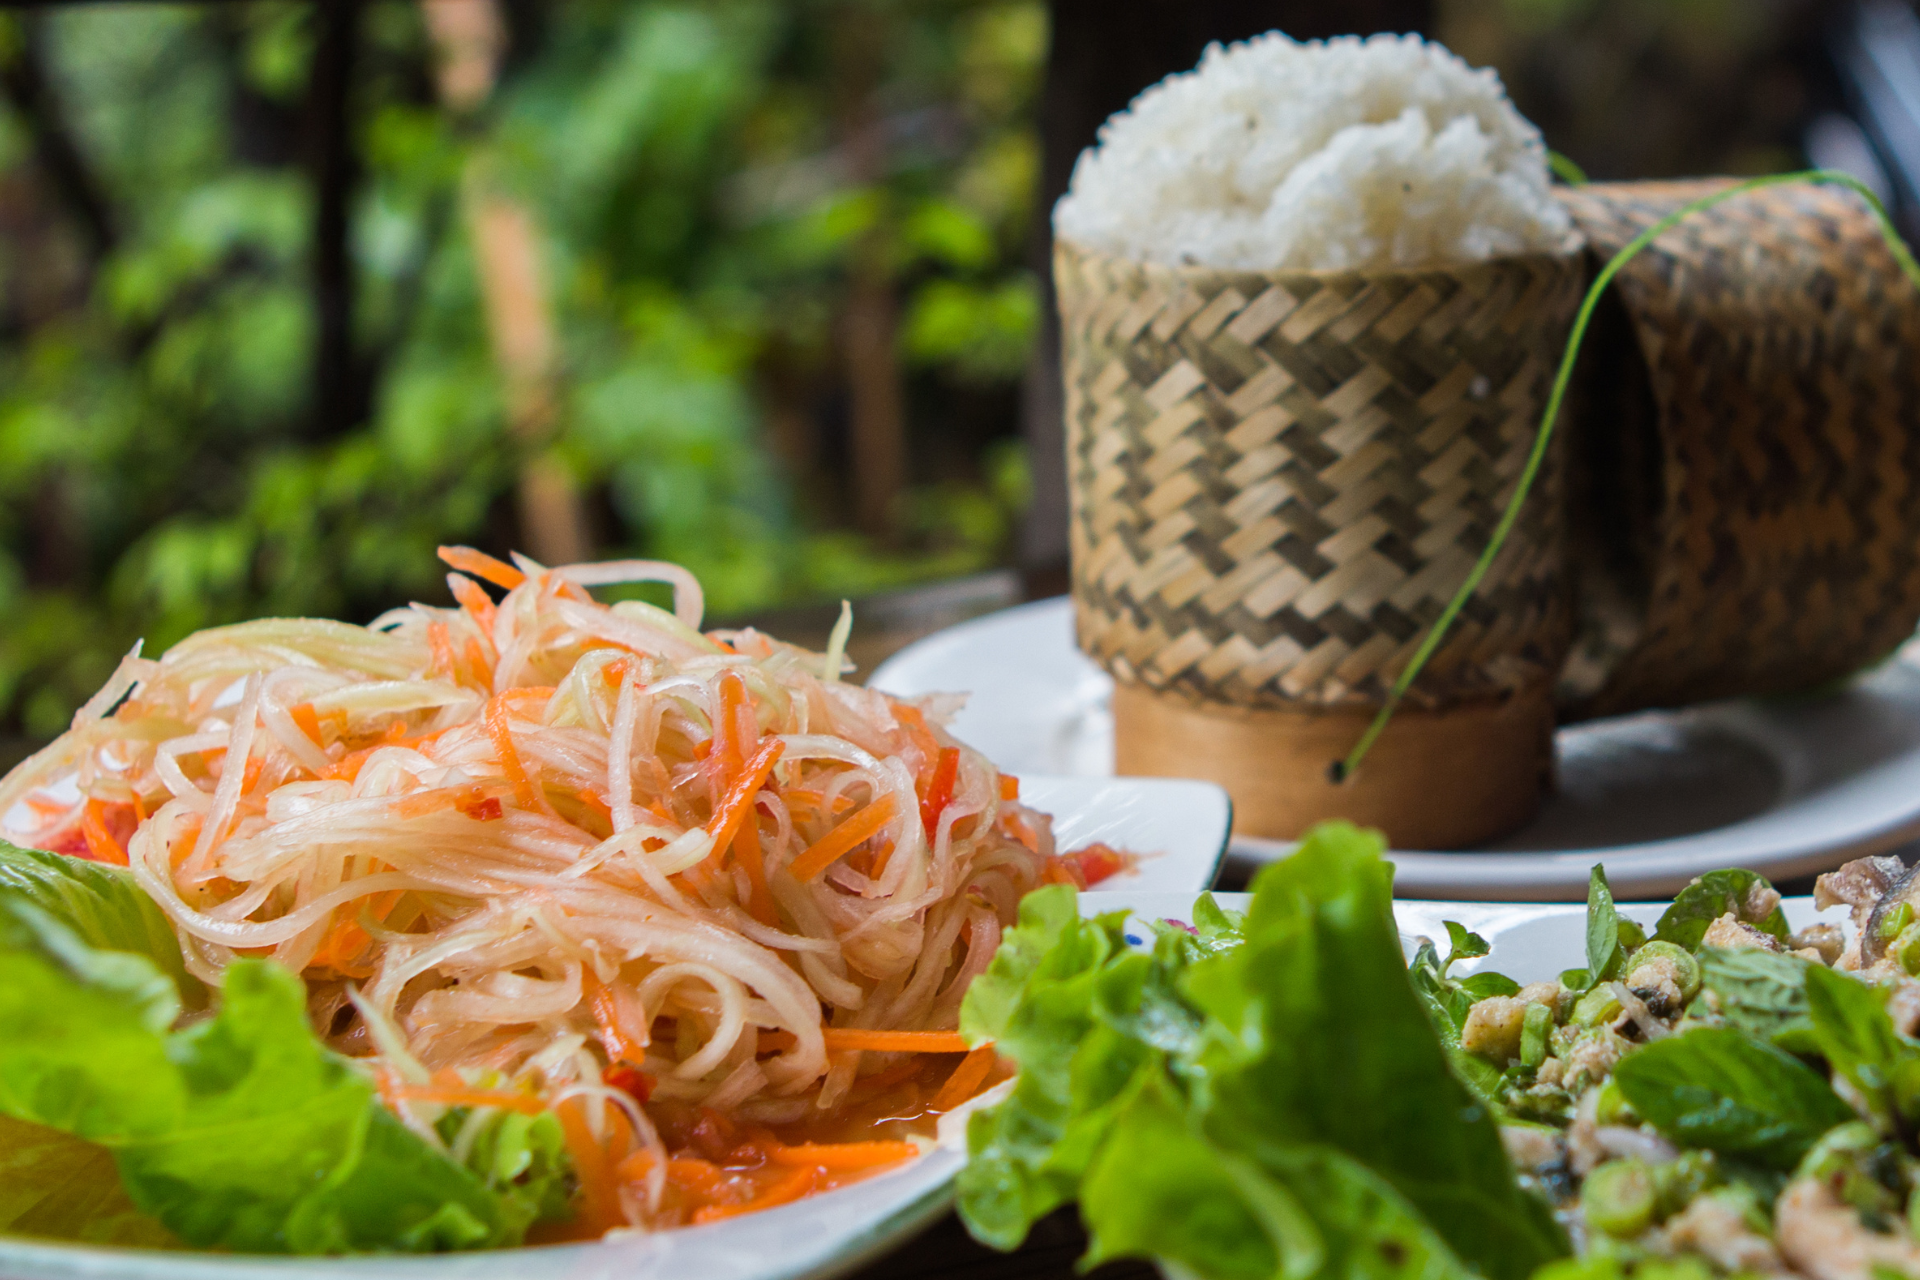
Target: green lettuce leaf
[[101, 906], [238, 1131], [1721, 1089], [1256, 1097], [1327, 1044], [56, 1186]]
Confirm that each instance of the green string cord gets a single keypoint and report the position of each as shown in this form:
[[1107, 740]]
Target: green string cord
[[1344, 769]]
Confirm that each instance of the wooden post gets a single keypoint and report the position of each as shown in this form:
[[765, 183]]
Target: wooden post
[[507, 254]]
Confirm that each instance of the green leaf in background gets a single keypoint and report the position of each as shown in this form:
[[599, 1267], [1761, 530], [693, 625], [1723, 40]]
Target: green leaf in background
[[1603, 928], [1857, 1037], [1721, 1089], [1714, 895], [240, 1131], [56, 1186], [1325, 1043], [1760, 992]]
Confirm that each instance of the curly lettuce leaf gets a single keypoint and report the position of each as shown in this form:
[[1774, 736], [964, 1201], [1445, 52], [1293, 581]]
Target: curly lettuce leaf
[[1328, 1044], [1261, 1097], [237, 1131], [101, 906], [59, 1187]]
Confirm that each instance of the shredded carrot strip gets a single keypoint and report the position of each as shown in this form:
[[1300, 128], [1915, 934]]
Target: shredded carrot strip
[[788, 1189], [477, 659], [440, 647], [605, 1012], [726, 726], [965, 1080], [250, 776], [307, 720], [482, 566], [939, 792], [537, 692], [843, 1039], [475, 601], [738, 802], [880, 861], [842, 1156], [746, 848], [862, 826], [511, 766], [600, 1196], [99, 837], [1009, 787], [448, 1095]]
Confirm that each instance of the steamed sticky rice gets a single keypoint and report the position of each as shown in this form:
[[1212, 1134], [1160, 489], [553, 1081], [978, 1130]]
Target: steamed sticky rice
[[1347, 153]]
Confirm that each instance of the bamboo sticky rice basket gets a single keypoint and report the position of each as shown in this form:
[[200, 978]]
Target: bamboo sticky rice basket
[[1277, 480]]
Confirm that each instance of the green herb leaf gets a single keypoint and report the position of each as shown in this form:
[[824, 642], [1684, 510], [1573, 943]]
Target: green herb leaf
[[1711, 896], [1603, 928], [1760, 992], [1463, 944], [1723, 1090], [1854, 1033]]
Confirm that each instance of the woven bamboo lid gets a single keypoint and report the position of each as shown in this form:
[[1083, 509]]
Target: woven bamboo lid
[[1748, 430]]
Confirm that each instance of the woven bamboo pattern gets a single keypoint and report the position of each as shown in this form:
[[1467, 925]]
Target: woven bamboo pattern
[[1279, 479], [1779, 545]]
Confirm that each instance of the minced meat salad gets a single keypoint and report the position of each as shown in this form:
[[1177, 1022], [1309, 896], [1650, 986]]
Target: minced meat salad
[[1282, 1095]]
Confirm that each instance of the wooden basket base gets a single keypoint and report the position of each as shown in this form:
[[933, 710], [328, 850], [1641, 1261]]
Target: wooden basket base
[[1434, 780]]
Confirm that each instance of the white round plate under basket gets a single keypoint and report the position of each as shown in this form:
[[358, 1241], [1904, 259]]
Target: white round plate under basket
[[1783, 786]]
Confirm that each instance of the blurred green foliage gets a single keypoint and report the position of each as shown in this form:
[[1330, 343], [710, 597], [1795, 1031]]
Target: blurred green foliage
[[693, 168]]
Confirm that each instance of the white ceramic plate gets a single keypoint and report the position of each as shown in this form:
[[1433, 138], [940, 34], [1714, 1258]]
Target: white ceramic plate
[[1531, 942], [1785, 786], [1179, 828]]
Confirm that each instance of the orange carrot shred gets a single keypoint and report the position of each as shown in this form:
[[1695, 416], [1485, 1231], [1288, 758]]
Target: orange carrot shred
[[965, 1080], [600, 1196], [737, 805], [101, 844], [746, 848], [862, 826], [511, 766], [620, 1046], [844, 1039], [1009, 787], [794, 1186], [842, 1156], [473, 600], [482, 566], [307, 720]]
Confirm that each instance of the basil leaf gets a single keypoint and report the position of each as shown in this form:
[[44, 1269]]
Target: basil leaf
[[1603, 928], [1854, 1033], [1760, 992], [1714, 895], [1723, 1090], [1464, 945]]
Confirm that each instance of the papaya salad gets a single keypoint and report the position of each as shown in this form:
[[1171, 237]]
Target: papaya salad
[[679, 921]]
